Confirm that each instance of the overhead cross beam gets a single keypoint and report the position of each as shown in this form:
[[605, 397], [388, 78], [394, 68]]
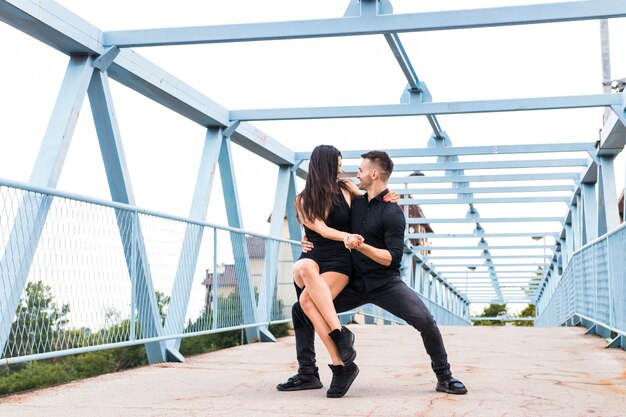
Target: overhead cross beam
[[370, 24], [425, 109]]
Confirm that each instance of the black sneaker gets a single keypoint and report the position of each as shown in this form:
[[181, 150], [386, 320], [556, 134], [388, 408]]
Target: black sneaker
[[300, 382], [451, 386], [344, 339], [343, 377]]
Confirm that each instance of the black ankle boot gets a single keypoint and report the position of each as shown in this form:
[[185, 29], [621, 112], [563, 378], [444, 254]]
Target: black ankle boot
[[301, 382], [344, 339], [343, 377]]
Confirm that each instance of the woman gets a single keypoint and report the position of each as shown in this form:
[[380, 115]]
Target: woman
[[323, 207]]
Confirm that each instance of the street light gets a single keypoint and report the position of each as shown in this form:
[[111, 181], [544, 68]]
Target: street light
[[473, 268], [536, 238]]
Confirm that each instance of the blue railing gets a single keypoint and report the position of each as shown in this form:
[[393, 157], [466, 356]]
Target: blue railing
[[80, 274], [592, 289]]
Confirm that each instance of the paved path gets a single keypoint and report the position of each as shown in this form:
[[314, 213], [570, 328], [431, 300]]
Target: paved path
[[510, 371]]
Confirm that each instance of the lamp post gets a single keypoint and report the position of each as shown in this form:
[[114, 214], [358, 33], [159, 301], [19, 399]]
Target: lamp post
[[472, 268], [536, 238]]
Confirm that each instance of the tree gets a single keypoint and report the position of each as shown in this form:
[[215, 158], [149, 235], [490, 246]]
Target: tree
[[492, 310], [529, 311], [39, 322]]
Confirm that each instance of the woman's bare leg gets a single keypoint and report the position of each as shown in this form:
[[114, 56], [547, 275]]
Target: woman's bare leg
[[336, 282], [319, 291]]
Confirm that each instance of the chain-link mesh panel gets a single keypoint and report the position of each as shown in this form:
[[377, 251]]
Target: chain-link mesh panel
[[596, 278], [77, 274]]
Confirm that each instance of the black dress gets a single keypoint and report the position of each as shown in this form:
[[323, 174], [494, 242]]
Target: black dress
[[332, 255]]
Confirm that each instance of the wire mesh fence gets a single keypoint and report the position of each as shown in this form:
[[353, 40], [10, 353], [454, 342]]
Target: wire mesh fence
[[593, 285], [77, 274], [82, 274]]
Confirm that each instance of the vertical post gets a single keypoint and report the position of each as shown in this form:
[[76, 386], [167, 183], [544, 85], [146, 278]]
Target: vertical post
[[188, 258], [238, 240], [215, 281], [33, 211], [270, 266], [606, 61], [120, 186], [608, 217], [590, 209]]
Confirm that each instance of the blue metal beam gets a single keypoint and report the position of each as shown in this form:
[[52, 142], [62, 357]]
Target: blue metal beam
[[424, 109], [188, 259], [458, 235], [492, 247], [485, 190], [109, 138], [33, 211], [56, 26], [439, 166], [370, 24], [470, 150], [476, 200], [486, 178], [238, 241]]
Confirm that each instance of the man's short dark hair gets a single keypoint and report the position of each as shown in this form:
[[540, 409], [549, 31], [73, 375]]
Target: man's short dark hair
[[382, 160]]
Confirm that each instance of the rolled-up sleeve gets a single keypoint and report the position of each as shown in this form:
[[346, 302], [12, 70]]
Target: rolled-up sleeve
[[395, 224]]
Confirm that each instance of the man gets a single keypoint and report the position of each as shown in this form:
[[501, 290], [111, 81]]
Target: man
[[375, 279]]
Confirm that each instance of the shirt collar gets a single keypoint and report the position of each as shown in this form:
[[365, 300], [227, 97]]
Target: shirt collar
[[380, 196]]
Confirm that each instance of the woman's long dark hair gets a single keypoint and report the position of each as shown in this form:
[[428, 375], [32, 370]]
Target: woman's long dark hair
[[321, 189]]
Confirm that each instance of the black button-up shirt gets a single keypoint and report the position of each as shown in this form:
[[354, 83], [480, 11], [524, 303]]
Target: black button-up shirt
[[382, 225]]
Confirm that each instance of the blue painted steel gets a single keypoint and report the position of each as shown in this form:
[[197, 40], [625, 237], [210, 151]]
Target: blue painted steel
[[116, 169], [29, 222], [370, 24], [188, 259], [238, 241], [487, 190], [471, 150], [608, 217], [425, 109], [270, 264], [484, 178], [592, 287], [56, 26], [478, 200], [448, 165]]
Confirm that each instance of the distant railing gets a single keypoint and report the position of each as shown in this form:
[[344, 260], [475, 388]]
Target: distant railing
[[592, 289], [80, 274]]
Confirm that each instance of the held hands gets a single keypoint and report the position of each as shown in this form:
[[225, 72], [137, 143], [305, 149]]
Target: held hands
[[353, 241], [350, 242]]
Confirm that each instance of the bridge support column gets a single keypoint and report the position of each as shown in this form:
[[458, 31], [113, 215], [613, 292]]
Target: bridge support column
[[33, 211], [143, 295]]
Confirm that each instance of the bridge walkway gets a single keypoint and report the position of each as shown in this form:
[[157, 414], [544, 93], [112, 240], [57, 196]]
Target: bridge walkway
[[510, 371]]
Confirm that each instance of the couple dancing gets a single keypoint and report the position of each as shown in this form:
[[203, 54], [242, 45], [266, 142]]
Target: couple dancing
[[352, 257]]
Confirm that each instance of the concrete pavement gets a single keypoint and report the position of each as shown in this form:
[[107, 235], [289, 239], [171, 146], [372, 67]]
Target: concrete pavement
[[509, 371]]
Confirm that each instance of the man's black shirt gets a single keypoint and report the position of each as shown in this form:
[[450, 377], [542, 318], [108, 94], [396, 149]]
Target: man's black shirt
[[382, 225]]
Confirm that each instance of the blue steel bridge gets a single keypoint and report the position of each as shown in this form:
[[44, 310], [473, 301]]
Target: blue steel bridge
[[514, 223]]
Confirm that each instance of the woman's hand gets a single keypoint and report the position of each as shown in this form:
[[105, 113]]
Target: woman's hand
[[307, 245], [391, 197], [353, 241]]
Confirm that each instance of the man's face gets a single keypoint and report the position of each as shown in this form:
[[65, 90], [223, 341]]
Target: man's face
[[365, 174]]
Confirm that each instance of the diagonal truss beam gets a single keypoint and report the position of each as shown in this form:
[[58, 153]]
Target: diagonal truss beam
[[371, 24], [58, 27]]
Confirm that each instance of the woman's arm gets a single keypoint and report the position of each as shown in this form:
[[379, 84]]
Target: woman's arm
[[390, 197], [319, 226]]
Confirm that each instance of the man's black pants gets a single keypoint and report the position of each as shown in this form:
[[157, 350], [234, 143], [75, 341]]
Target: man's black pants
[[395, 297]]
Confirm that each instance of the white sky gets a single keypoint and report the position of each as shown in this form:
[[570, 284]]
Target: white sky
[[163, 149]]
